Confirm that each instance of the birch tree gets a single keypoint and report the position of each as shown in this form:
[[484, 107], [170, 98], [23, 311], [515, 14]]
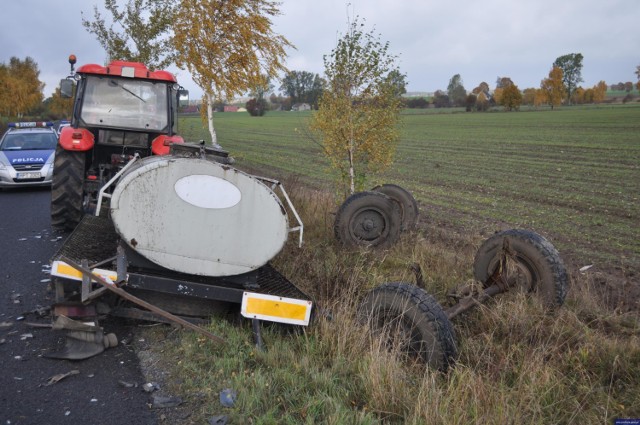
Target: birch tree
[[228, 46], [61, 106], [20, 87], [359, 110], [140, 31]]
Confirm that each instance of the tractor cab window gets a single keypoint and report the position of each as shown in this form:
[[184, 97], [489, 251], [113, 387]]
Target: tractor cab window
[[125, 103]]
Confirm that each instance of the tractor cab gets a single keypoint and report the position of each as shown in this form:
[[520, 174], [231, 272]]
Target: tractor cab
[[124, 106], [120, 110]]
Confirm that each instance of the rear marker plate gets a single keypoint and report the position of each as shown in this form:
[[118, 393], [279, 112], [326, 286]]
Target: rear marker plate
[[276, 309]]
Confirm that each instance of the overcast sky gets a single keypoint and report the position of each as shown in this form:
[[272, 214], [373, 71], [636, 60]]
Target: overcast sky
[[434, 39]]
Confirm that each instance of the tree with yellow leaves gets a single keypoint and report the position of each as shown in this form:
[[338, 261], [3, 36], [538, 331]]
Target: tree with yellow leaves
[[359, 110], [529, 96], [228, 46], [599, 92], [61, 106], [552, 88], [511, 98], [20, 87], [507, 94]]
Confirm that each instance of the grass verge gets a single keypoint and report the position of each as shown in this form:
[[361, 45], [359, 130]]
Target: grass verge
[[518, 362]]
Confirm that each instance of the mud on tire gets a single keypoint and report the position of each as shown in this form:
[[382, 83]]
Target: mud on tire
[[67, 189], [524, 260], [368, 219], [411, 321]]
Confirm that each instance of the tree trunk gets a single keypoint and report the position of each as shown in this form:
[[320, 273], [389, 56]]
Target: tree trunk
[[212, 130], [352, 173]]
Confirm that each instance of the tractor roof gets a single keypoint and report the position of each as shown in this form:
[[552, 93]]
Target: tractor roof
[[127, 69]]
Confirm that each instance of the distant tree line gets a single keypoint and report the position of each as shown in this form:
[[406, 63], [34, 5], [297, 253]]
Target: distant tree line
[[628, 86], [561, 86], [21, 91]]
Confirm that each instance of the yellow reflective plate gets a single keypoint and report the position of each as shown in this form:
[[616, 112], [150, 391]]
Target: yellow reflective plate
[[62, 269], [276, 309]]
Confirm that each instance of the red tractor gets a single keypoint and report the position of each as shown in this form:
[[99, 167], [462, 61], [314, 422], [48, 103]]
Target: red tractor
[[120, 110]]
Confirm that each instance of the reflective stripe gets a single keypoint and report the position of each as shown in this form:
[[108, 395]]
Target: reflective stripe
[[62, 269], [276, 309]]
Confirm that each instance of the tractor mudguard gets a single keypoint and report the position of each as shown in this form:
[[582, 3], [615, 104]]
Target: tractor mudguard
[[161, 144], [76, 139]]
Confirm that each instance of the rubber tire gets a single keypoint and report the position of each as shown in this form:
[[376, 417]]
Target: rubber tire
[[432, 337], [408, 205], [549, 278], [67, 189], [360, 206], [110, 340]]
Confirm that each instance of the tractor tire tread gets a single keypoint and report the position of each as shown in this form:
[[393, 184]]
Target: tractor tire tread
[[427, 309], [351, 205], [548, 256], [67, 189]]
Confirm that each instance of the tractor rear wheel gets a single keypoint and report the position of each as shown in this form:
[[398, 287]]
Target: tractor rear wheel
[[406, 201], [412, 322], [523, 261], [67, 189], [368, 219]]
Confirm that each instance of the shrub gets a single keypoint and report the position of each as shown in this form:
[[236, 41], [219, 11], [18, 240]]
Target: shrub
[[417, 103], [470, 102], [256, 107]]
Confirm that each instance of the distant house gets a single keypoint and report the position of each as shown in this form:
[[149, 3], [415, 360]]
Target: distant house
[[190, 109], [230, 108], [301, 107]]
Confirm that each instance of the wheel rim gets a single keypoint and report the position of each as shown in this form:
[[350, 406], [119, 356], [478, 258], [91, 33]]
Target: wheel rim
[[368, 224], [399, 335], [406, 203], [515, 273]]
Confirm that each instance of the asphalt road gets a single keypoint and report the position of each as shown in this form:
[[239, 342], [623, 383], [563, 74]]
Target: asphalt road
[[95, 395]]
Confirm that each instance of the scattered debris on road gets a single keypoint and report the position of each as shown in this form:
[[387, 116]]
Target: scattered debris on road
[[57, 378], [228, 397], [150, 387], [161, 402]]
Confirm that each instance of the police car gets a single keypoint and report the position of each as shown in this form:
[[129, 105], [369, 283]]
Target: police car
[[62, 125], [26, 154]]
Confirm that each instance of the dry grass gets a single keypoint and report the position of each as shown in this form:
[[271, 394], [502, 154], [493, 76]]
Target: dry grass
[[518, 363]]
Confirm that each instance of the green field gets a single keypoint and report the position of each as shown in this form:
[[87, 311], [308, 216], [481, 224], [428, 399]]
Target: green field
[[572, 174]]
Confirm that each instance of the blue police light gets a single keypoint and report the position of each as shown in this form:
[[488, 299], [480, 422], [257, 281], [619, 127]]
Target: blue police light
[[31, 124]]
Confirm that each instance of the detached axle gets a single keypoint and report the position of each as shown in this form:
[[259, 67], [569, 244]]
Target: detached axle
[[511, 261], [471, 300]]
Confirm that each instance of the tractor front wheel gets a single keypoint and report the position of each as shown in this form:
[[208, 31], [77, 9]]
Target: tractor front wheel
[[67, 189]]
